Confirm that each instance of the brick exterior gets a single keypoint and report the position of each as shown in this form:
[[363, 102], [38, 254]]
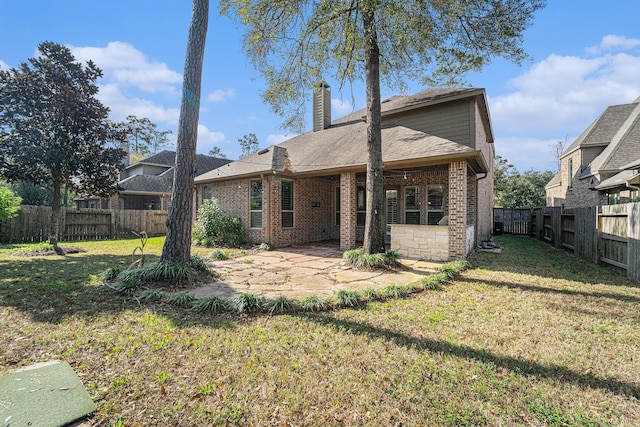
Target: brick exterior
[[347, 211], [458, 210], [578, 194]]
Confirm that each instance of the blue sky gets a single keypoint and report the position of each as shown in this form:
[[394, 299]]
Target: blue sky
[[585, 57]]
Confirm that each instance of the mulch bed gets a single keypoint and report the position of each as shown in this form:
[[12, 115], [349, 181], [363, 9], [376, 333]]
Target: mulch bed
[[65, 250]]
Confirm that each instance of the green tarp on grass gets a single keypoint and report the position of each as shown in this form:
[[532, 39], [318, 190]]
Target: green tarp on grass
[[43, 395]]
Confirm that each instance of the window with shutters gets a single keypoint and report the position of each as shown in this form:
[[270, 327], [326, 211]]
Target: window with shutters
[[286, 206], [255, 203], [411, 205]]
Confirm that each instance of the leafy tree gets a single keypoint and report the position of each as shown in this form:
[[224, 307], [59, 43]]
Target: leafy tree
[[53, 131], [9, 203], [516, 190], [248, 144], [295, 44], [31, 194], [215, 152], [177, 245], [143, 136]]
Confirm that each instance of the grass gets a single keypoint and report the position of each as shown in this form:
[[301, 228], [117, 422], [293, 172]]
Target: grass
[[528, 337]]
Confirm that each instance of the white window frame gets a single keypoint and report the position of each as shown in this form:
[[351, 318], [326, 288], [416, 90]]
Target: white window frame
[[284, 211], [412, 209], [431, 210], [253, 211]]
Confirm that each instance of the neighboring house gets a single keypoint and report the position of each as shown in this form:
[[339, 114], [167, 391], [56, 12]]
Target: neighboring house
[[437, 148], [598, 167], [147, 184]]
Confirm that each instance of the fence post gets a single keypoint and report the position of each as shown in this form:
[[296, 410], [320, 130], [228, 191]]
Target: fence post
[[633, 242]]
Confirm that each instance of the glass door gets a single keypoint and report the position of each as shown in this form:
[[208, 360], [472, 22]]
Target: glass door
[[391, 213]]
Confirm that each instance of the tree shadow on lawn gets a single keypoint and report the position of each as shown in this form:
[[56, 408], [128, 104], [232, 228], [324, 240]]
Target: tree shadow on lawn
[[518, 366], [51, 289], [548, 290], [526, 255]]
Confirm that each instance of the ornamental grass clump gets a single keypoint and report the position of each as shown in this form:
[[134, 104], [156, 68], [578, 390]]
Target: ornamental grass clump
[[395, 291], [376, 261], [247, 303], [314, 303], [213, 304], [281, 304], [181, 299], [348, 298], [151, 295]]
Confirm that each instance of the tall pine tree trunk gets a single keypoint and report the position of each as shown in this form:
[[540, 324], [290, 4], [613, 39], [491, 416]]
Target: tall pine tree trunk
[[374, 225], [177, 246]]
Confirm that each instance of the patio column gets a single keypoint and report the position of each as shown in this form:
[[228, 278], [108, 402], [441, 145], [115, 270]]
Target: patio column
[[457, 210], [347, 211]]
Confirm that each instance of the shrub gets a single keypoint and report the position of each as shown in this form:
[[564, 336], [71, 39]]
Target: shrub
[[9, 203], [266, 246], [199, 264], [370, 294], [111, 273], [219, 254], [213, 226]]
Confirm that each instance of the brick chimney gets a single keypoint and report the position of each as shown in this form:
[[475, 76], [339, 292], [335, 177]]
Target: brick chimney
[[321, 107]]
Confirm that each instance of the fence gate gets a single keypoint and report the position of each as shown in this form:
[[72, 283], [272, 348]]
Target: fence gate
[[512, 221]]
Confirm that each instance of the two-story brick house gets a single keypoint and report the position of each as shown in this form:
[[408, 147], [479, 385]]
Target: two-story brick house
[[608, 147], [437, 149]]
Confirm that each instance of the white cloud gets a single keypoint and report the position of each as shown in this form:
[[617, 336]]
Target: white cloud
[[612, 42], [273, 139], [122, 105], [207, 137], [566, 92], [124, 64], [4, 65], [220, 95], [340, 108], [528, 152]]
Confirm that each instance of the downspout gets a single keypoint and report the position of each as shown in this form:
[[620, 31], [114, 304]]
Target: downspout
[[476, 213]]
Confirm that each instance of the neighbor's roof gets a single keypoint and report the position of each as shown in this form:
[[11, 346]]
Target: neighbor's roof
[[618, 180], [148, 183], [343, 147], [604, 128], [167, 158], [555, 181]]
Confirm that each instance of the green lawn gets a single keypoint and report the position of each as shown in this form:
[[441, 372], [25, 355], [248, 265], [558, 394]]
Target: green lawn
[[528, 337]]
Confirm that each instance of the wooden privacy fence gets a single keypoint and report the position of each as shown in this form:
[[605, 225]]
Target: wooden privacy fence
[[600, 234], [512, 221], [33, 222]]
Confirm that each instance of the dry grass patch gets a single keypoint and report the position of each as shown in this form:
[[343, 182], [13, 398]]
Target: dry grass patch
[[528, 337]]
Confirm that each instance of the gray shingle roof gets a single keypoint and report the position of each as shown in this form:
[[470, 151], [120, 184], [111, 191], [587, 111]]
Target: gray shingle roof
[[342, 146], [623, 147], [555, 181], [162, 183], [617, 180]]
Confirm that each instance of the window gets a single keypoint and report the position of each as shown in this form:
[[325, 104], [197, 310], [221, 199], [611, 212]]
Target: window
[[337, 205], [361, 206], [634, 196], [435, 204], [614, 197], [411, 205], [286, 203], [255, 203], [207, 192], [570, 173]]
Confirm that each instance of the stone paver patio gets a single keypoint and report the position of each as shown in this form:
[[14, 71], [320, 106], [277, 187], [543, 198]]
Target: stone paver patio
[[299, 271]]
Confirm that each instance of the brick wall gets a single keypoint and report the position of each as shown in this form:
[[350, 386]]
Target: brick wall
[[347, 211], [457, 209]]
